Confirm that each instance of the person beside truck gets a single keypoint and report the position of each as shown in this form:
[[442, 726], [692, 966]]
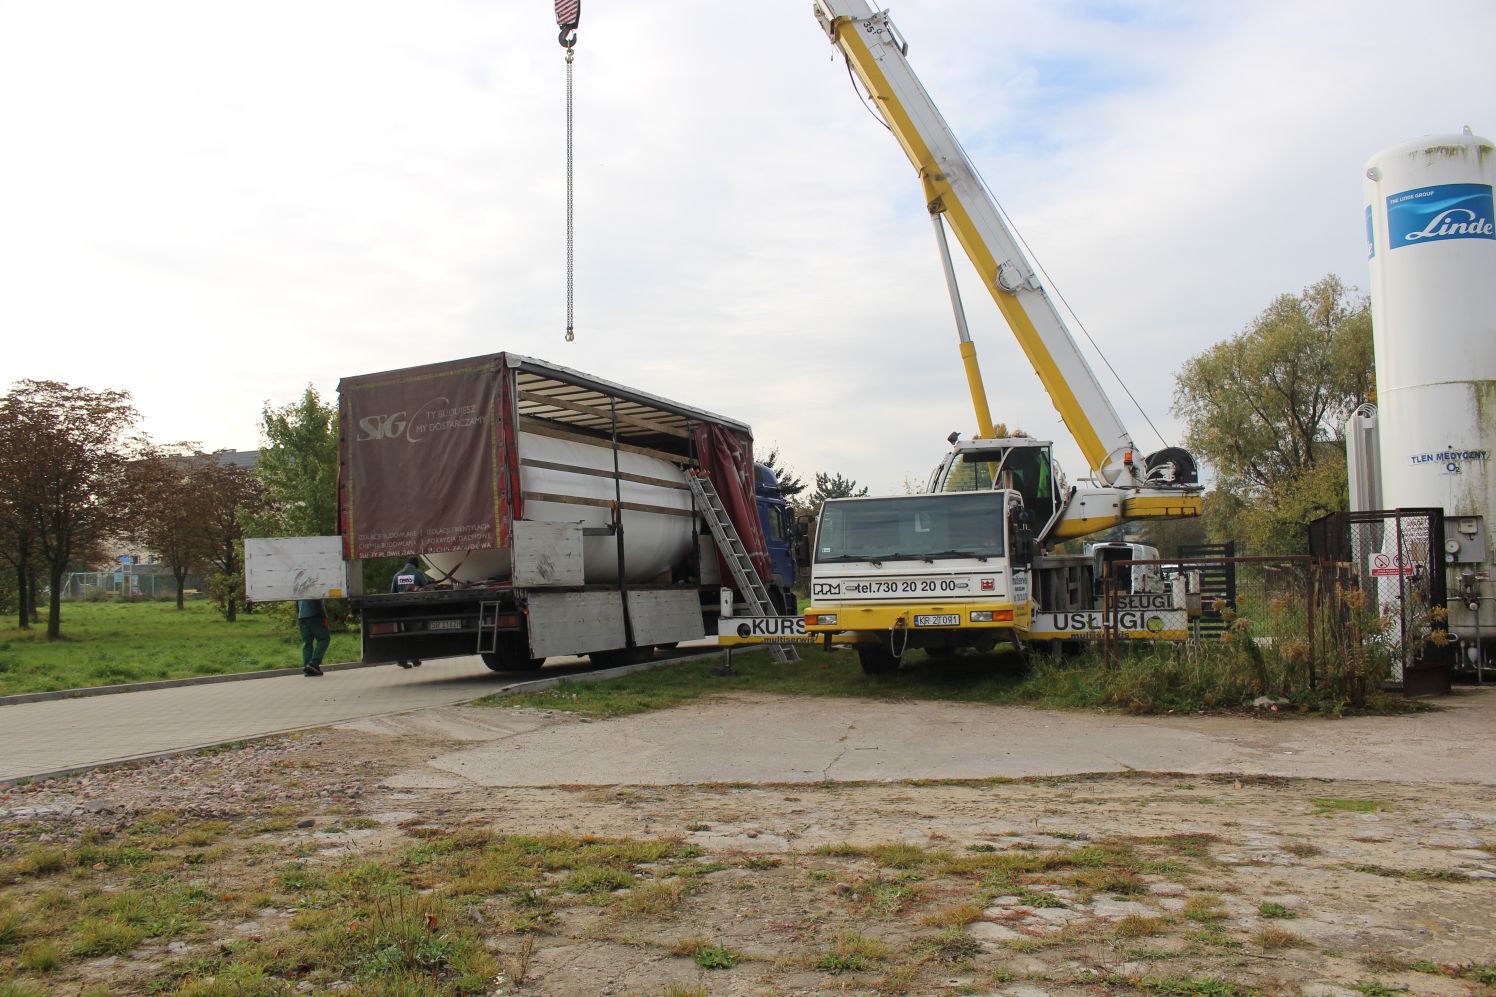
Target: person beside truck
[[409, 578]]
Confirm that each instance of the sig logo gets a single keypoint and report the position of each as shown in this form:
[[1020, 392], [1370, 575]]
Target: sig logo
[[434, 416]]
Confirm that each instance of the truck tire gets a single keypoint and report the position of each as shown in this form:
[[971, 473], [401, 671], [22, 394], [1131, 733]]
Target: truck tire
[[503, 663], [511, 656], [877, 659], [621, 656]]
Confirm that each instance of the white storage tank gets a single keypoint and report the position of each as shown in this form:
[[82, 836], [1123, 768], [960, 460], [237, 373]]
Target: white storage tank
[[653, 542], [1431, 232]]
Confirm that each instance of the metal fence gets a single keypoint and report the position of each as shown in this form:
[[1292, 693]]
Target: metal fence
[[1314, 621], [1394, 559], [144, 585]]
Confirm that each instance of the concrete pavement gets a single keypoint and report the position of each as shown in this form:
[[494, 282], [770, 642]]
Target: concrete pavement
[[48, 738], [781, 739]]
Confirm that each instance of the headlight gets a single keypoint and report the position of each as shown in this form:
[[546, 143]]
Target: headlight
[[981, 616], [820, 620]]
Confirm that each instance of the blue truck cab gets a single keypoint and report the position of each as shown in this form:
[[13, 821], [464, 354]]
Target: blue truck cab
[[778, 522]]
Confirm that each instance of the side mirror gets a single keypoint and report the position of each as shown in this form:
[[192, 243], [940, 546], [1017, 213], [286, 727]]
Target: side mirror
[[1023, 536], [802, 542]]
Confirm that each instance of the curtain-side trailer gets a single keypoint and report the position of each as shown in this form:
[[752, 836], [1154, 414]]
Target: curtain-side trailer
[[550, 508]]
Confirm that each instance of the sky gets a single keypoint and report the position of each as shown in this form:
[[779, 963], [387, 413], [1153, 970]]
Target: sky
[[214, 205]]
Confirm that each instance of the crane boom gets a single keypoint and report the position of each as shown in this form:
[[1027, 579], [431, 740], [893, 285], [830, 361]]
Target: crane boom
[[954, 192]]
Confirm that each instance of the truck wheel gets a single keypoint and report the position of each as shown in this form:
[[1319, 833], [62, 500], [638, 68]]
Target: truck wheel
[[877, 660], [501, 662], [621, 656]]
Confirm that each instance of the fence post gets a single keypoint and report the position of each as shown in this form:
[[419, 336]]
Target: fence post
[[1311, 587]]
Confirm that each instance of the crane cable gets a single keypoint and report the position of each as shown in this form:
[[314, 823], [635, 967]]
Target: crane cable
[[568, 16]]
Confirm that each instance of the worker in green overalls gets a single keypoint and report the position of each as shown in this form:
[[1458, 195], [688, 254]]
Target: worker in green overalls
[[311, 620]]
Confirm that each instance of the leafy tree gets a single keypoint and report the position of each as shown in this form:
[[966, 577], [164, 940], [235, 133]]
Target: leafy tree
[[832, 486], [1265, 410], [231, 496], [169, 497], [298, 468], [66, 450], [789, 484], [17, 549]]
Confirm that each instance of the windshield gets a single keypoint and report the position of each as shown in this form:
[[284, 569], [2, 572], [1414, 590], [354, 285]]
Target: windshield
[[964, 525]]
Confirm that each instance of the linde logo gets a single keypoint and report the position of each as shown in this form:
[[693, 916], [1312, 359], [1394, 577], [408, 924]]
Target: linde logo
[[1433, 214], [435, 416], [1455, 221]]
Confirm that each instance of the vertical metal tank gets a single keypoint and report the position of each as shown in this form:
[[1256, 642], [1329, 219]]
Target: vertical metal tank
[[1431, 233]]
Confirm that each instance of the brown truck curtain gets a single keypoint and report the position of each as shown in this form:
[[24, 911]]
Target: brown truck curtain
[[727, 459]]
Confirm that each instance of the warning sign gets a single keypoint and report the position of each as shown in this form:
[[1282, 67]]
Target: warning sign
[[1391, 565]]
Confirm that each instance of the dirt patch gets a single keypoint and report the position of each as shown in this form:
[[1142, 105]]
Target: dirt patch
[[315, 864]]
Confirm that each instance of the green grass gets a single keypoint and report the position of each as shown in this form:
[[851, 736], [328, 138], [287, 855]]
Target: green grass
[[106, 643], [1155, 681], [1341, 805]]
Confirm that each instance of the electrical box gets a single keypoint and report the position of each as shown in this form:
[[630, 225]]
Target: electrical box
[[1465, 540]]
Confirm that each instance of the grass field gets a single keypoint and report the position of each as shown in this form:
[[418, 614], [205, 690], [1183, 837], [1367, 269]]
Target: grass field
[[1150, 680], [971, 678], [104, 643]]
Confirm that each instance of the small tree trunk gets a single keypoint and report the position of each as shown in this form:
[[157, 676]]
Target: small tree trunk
[[23, 579], [181, 576], [31, 592], [229, 565], [54, 608]]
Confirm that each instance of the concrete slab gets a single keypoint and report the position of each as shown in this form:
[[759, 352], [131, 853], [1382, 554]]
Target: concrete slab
[[62, 735], [780, 739]]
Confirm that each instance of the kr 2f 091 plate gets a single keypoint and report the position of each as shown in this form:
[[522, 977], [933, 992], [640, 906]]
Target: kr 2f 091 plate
[[943, 620]]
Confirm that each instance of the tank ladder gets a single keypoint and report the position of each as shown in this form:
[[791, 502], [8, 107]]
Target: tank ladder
[[736, 556]]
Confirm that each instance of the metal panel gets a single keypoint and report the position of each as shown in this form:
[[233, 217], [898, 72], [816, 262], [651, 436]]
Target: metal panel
[[664, 616], [575, 622], [280, 569], [547, 554]]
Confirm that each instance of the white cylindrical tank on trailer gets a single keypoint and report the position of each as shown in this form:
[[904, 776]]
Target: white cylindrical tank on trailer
[[1431, 233], [654, 541]]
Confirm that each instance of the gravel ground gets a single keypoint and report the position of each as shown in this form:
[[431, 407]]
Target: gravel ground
[[1384, 885]]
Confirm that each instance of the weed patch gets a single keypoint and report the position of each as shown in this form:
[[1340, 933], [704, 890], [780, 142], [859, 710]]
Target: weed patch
[[851, 953]]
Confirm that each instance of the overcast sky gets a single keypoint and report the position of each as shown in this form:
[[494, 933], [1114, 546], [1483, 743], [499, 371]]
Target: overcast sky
[[212, 205]]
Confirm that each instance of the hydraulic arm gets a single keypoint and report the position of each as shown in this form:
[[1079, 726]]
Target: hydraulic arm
[[956, 198]]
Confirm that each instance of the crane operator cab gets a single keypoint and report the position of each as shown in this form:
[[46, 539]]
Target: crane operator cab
[[1022, 464]]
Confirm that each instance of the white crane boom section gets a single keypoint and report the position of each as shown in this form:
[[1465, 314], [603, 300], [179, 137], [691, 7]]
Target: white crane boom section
[[955, 191]]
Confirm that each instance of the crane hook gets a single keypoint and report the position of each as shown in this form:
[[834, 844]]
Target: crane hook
[[568, 16]]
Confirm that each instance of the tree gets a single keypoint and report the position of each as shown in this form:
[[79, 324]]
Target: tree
[[298, 468], [67, 448], [789, 484], [168, 497], [833, 486], [231, 497], [1265, 409]]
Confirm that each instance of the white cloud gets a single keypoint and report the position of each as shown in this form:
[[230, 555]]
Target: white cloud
[[214, 206]]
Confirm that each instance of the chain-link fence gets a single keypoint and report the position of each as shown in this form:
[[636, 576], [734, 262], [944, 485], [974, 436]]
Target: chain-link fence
[[136, 584], [1292, 622]]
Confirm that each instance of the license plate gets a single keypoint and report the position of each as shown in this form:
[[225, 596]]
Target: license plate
[[444, 625], [947, 620]]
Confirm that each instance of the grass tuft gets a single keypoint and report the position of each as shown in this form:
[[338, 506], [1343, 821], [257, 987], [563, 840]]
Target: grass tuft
[[852, 953]]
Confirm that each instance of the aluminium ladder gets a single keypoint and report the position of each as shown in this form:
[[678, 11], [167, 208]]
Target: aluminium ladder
[[736, 556]]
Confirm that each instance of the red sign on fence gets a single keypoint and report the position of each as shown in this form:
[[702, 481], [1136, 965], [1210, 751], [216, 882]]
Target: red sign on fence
[[1390, 565]]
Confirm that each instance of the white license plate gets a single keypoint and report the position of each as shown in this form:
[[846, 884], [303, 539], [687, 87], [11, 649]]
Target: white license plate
[[444, 625], [947, 620]]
